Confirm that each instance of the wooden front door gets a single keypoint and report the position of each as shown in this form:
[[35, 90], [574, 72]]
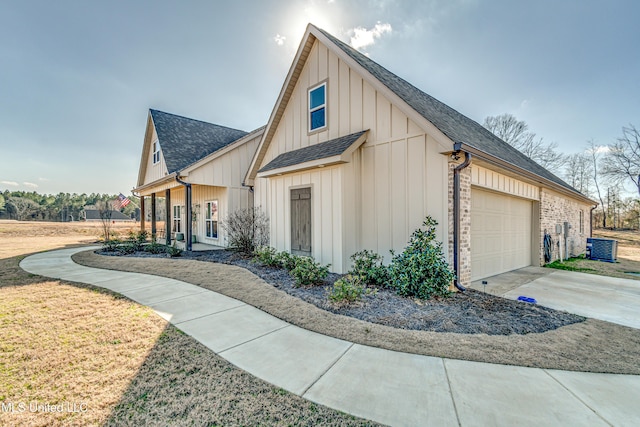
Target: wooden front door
[[301, 221]]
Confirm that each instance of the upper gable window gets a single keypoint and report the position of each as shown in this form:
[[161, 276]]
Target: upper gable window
[[156, 152], [318, 107]]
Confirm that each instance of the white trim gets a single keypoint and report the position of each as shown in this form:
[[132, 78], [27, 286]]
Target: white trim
[[155, 147], [311, 110], [207, 220]]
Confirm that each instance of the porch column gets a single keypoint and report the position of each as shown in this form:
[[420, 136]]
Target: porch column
[[154, 229], [141, 213], [189, 227], [167, 225]]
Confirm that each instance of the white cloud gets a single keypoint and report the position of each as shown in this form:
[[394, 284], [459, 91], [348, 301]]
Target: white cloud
[[30, 184], [11, 183], [279, 39], [361, 37], [524, 104], [44, 179]]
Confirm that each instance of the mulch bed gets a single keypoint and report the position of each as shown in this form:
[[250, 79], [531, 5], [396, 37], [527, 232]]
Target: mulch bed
[[471, 312]]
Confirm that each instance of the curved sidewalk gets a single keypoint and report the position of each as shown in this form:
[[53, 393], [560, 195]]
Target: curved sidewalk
[[381, 385]]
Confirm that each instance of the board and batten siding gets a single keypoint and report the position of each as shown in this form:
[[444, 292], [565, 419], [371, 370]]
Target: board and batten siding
[[377, 199], [158, 170], [487, 178], [226, 170]]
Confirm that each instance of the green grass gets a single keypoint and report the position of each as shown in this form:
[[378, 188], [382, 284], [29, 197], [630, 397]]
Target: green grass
[[571, 264]]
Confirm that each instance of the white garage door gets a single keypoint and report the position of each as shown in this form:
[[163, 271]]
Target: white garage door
[[500, 233]]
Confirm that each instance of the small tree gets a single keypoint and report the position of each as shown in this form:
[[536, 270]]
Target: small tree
[[105, 210], [247, 229]]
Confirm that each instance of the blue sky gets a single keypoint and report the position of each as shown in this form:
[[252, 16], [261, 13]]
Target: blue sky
[[77, 77]]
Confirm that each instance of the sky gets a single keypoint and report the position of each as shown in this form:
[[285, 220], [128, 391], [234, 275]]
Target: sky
[[77, 77]]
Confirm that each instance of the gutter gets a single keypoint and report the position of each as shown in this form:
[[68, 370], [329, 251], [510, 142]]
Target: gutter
[[187, 214], [456, 216]]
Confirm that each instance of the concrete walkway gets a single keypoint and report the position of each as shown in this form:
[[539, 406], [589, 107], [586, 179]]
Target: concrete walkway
[[611, 299], [389, 387]]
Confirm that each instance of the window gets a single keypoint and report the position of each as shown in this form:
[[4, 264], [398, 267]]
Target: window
[[581, 221], [156, 152], [177, 219], [211, 219], [317, 107]]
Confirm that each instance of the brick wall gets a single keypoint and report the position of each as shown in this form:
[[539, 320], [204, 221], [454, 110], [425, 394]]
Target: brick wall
[[556, 209], [464, 258]]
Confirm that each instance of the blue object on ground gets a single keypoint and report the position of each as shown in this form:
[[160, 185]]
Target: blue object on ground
[[527, 299]]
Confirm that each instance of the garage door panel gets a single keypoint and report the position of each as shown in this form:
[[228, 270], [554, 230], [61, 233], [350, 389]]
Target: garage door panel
[[500, 233]]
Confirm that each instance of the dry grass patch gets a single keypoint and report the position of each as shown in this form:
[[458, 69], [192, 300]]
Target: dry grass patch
[[103, 359], [64, 345]]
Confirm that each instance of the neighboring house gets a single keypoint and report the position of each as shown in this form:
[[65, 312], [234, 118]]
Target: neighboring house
[[354, 157], [198, 168], [90, 213]]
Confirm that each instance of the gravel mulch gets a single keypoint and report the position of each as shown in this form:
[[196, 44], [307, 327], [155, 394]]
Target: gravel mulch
[[471, 312]]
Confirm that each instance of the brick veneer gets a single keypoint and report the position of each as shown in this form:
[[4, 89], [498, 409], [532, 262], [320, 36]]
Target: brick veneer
[[556, 209], [464, 254]]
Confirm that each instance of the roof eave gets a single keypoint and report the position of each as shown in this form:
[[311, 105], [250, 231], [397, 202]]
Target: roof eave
[[168, 178], [461, 146]]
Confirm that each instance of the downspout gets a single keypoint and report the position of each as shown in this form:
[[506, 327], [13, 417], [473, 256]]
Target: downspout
[[456, 218], [187, 214], [591, 220]]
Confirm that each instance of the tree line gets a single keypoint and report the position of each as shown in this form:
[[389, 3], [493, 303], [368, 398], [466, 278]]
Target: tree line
[[600, 172], [25, 206]]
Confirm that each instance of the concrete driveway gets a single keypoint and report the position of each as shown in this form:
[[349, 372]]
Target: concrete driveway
[[606, 298]]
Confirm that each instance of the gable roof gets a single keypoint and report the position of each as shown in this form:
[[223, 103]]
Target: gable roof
[[461, 130], [184, 141], [334, 147], [458, 127]]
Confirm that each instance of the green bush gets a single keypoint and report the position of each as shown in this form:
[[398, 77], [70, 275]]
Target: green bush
[[173, 251], [155, 248], [421, 269], [111, 245], [286, 260], [367, 265], [267, 255], [308, 272], [348, 289]]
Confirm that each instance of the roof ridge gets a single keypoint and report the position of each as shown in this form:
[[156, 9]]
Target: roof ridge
[[441, 115], [194, 120]]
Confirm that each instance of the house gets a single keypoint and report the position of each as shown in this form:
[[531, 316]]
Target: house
[[353, 157], [198, 168], [91, 214]]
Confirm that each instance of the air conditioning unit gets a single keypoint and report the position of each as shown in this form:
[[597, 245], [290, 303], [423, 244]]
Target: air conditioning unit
[[602, 249]]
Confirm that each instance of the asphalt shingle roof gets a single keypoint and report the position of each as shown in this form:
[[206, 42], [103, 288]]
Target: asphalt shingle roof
[[453, 124], [323, 150], [93, 214], [184, 141]]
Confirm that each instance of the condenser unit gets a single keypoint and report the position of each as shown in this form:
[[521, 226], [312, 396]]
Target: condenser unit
[[602, 249]]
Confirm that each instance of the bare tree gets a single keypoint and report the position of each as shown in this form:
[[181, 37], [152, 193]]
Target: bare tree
[[623, 159], [105, 209], [594, 151], [516, 133], [579, 172]]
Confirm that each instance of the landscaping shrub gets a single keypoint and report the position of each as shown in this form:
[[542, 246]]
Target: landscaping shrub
[[173, 251], [266, 255], [348, 289], [286, 260], [247, 229], [308, 272], [111, 245], [367, 265], [155, 248], [421, 269]]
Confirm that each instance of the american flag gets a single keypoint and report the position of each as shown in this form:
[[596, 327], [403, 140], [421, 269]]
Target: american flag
[[121, 201]]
